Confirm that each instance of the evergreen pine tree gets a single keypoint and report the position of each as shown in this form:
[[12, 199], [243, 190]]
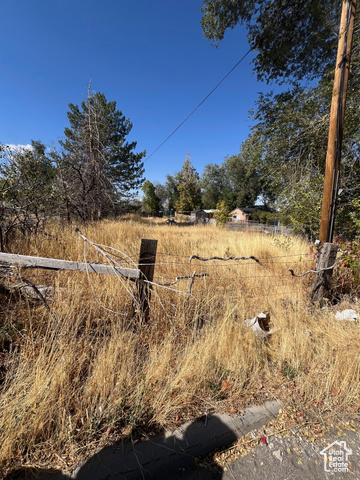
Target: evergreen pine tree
[[98, 167]]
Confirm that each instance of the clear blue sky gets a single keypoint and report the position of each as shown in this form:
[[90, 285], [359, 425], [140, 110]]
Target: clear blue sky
[[148, 56]]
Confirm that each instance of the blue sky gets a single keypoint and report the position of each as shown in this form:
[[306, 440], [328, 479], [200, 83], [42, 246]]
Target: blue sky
[[148, 56]]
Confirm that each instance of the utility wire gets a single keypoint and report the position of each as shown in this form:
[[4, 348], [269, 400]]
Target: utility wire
[[203, 101]]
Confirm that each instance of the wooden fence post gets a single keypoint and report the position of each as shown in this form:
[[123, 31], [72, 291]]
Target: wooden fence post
[[147, 258], [322, 281]]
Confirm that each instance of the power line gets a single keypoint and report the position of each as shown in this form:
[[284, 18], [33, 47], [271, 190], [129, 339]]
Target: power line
[[203, 101]]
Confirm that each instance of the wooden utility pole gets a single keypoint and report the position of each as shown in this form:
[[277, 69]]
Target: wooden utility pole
[[337, 113], [327, 255]]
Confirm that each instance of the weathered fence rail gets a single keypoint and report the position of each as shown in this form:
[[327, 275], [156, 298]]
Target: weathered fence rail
[[143, 275], [9, 259]]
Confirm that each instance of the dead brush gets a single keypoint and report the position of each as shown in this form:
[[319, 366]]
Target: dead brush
[[81, 376]]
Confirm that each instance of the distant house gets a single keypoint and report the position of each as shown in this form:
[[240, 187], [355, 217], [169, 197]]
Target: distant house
[[210, 213], [201, 216], [238, 215], [244, 214]]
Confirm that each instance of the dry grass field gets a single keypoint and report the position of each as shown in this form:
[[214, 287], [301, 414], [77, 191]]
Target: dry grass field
[[85, 374]]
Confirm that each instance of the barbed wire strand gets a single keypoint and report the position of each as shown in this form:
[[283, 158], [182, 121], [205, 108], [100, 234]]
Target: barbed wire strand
[[275, 256], [228, 265], [182, 277], [225, 259], [120, 277], [161, 285], [315, 271]]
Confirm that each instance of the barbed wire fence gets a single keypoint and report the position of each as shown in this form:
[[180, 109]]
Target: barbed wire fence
[[167, 262], [280, 274]]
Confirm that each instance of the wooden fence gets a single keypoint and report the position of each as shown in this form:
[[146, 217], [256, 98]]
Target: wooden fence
[[142, 276], [259, 228]]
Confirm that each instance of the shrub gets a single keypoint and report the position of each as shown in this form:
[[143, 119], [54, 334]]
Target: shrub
[[347, 275]]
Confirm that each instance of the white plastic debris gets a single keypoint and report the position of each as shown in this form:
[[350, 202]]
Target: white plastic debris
[[260, 325], [349, 315]]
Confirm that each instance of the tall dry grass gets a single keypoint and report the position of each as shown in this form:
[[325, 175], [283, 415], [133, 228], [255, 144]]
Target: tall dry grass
[[82, 375]]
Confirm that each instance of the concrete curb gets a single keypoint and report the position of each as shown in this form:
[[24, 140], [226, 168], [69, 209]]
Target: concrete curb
[[168, 456], [163, 456]]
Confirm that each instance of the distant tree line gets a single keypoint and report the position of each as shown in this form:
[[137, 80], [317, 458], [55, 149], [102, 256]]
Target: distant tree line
[[236, 182]]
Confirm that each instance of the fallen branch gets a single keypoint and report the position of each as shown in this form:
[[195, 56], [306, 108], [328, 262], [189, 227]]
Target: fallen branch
[[315, 271], [251, 257], [111, 260]]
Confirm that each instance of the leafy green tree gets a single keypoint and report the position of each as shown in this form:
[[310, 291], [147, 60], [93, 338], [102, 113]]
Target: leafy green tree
[[302, 205], [292, 39], [98, 167], [355, 213], [215, 185], [189, 188], [285, 147], [162, 194], [151, 202], [28, 177], [28, 188], [237, 181], [171, 186], [167, 192], [244, 178]]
